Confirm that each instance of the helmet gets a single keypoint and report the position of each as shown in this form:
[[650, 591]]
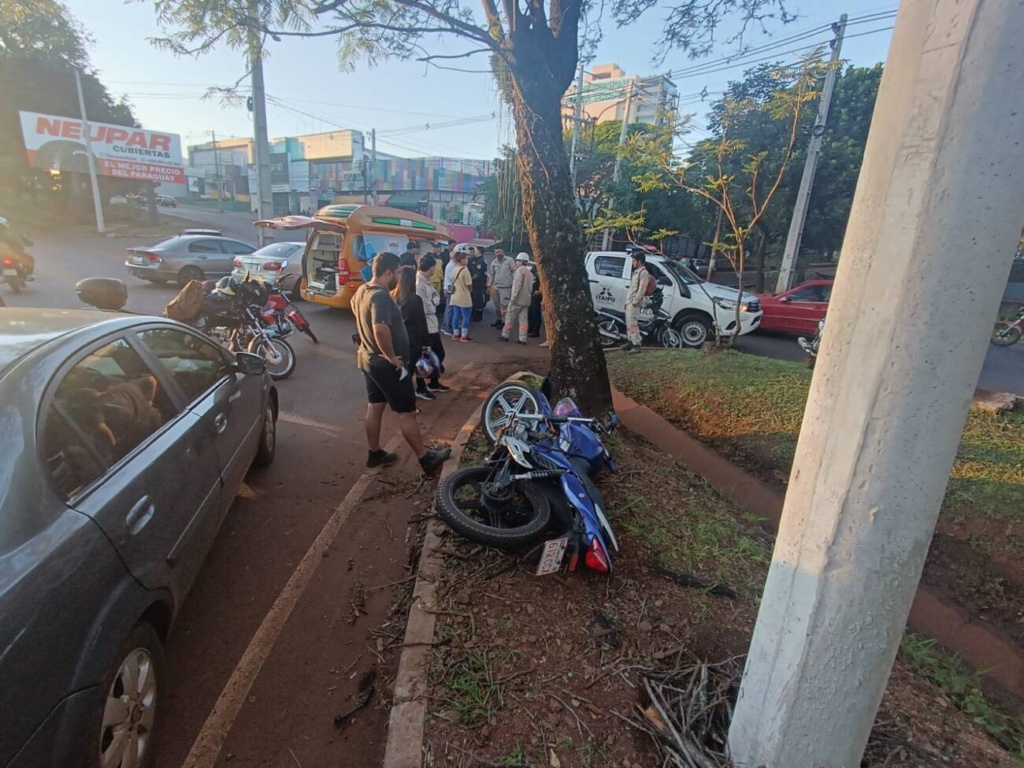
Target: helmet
[[428, 364], [523, 256], [227, 285]]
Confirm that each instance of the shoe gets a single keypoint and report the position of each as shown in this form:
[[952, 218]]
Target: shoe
[[465, 339], [521, 342], [544, 344], [502, 338], [446, 332], [633, 350], [627, 346], [425, 395], [533, 335], [498, 324], [432, 460], [438, 388], [380, 458]]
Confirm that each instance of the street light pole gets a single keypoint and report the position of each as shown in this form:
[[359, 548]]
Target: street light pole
[[216, 165], [606, 240], [97, 202]]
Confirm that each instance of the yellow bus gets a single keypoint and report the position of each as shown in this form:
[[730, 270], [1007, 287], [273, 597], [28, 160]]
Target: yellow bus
[[342, 241]]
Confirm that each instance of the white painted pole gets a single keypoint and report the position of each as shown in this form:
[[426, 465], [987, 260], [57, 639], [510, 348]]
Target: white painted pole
[[936, 217], [97, 201], [803, 195], [606, 240]]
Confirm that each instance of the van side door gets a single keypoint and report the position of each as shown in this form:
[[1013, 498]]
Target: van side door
[[609, 280]]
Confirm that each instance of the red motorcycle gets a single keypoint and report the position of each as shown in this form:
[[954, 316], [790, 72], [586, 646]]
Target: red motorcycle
[[282, 316]]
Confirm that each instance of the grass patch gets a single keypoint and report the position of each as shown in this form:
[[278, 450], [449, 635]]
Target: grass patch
[[951, 680], [750, 408], [474, 694]]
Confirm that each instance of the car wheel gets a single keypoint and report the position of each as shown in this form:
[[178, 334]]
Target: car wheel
[[694, 330], [130, 708], [268, 438], [190, 273]]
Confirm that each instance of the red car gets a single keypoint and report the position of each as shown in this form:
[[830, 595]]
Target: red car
[[797, 310]]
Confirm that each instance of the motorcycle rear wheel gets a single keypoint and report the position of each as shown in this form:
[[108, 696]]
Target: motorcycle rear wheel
[[278, 347], [525, 517]]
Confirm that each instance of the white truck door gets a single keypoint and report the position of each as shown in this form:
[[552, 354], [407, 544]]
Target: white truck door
[[609, 280]]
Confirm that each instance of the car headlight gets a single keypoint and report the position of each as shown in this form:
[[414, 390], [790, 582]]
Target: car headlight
[[724, 303]]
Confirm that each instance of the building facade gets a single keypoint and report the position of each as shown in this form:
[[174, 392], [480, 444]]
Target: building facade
[[607, 90]]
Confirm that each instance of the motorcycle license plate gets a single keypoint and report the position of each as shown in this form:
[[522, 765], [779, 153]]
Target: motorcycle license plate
[[551, 557], [10, 273]]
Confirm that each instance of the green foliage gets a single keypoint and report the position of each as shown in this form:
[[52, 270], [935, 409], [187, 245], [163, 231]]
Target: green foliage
[[503, 198]]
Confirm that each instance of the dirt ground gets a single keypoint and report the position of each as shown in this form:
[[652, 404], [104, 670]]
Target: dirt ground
[[554, 671]]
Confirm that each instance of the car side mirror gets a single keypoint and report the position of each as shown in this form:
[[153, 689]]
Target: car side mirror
[[250, 364]]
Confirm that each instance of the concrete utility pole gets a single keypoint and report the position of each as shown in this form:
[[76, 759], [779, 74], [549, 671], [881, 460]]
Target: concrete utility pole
[[259, 120], [606, 240], [97, 202], [216, 166], [942, 179], [576, 120], [803, 196]]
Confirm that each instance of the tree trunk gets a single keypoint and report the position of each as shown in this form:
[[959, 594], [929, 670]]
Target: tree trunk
[[762, 244], [577, 361]]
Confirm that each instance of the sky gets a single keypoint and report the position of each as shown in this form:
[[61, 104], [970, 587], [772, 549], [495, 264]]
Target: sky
[[409, 103]]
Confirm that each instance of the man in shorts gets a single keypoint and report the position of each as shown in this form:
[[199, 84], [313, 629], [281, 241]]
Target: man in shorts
[[383, 346]]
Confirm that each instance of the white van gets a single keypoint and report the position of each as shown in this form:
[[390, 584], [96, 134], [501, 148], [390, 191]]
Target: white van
[[697, 307]]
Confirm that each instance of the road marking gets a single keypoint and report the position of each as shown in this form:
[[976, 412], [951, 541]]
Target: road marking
[[208, 744]]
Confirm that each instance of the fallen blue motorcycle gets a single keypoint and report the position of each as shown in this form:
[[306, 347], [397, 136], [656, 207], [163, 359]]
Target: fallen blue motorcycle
[[536, 484]]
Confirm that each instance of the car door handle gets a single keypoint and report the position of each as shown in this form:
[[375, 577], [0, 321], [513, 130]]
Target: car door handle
[[594, 281], [139, 515], [220, 422]]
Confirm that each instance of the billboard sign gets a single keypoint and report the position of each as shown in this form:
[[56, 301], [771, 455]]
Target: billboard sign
[[56, 143], [279, 168]]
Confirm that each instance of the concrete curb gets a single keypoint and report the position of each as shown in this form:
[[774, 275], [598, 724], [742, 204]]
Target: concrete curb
[[404, 746]]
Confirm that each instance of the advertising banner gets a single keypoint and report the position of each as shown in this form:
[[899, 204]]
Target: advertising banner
[[56, 143]]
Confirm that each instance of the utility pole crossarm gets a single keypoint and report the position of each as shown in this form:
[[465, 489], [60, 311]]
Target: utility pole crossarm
[[803, 197]]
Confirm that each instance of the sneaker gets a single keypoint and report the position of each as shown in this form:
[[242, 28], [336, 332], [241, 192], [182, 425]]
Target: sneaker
[[465, 338], [432, 460], [628, 346], [446, 332], [503, 338], [424, 395], [380, 458], [633, 349], [521, 342], [438, 388]]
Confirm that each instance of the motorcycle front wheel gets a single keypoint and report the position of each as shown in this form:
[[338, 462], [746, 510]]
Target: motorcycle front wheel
[[507, 518], [671, 338], [1004, 335], [278, 355], [608, 330]]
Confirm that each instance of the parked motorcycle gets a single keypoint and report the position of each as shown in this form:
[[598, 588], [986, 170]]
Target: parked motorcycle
[[236, 324], [1008, 332], [810, 346], [536, 479], [655, 326], [14, 273], [282, 316]]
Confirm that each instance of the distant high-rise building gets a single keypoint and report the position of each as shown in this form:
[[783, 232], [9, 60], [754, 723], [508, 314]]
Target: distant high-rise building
[[606, 89]]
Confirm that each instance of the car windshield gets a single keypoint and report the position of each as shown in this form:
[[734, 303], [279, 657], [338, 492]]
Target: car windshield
[[681, 273], [277, 250]]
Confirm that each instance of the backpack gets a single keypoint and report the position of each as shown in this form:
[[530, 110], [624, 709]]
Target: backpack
[[652, 284], [186, 305]]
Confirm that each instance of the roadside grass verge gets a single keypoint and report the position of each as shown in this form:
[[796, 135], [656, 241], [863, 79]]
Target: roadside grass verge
[[750, 408]]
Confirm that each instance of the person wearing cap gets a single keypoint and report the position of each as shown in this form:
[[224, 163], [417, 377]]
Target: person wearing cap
[[499, 278], [520, 296]]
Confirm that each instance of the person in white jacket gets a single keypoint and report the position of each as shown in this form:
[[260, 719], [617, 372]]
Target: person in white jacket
[[431, 300], [635, 300]]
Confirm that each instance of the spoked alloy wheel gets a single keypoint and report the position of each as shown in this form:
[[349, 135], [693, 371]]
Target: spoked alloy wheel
[[503, 517], [130, 707], [278, 354], [608, 330], [1004, 335], [503, 403]]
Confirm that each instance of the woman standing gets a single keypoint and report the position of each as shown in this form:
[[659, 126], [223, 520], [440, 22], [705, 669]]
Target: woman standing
[[431, 301], [415, 321], [462, 298]]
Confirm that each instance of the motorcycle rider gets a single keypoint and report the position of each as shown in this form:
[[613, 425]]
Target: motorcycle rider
[[12, 246], [635, 300]]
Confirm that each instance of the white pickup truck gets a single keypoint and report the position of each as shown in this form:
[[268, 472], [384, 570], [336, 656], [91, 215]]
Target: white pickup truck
[[697, 307]]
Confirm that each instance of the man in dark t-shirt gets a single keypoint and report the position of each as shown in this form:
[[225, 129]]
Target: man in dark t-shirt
[[411, 256], [383, 349]]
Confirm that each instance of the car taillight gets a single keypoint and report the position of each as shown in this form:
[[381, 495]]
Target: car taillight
[[272, 266], [153, 258], [343, 273], [237, 261], [596, 558]]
